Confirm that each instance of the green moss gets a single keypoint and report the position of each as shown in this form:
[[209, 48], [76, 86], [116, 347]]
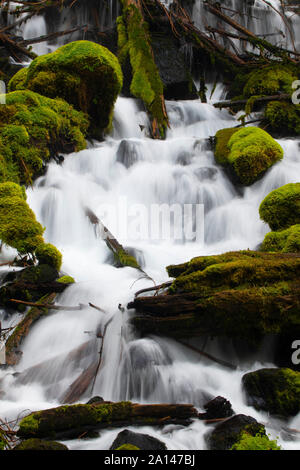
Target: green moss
[[18, 80], [32, 129], [83, 73], [66, 280], [38, 444], [274, 390], [221, 148], [281, 208], [49, 254], [247, 152], [18, 225], [284, 241], [50, 422], [128, 447], [270, 81], [283, 118], [146, 82], [258, 442], [125, 259]]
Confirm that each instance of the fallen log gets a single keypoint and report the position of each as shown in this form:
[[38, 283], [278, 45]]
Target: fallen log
[[49, 306], [261, 100], [73, 420], [80, 385], [50, 37], [13, 355], [208, 356]]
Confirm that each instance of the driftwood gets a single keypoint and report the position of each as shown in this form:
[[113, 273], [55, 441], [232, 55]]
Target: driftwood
[[48, 306]]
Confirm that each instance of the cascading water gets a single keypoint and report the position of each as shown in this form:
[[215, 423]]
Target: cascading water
[[148, 370]]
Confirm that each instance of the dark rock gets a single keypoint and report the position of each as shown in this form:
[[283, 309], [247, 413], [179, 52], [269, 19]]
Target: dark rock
[[219, 407], [274, 390], [39, 444], [206, 174], [227, 433], [142, 441], [95, 400], [128, 152]]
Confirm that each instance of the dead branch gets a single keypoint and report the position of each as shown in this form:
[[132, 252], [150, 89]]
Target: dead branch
[[208, 356]]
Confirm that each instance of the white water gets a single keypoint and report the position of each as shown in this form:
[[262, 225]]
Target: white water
[[149, 369]]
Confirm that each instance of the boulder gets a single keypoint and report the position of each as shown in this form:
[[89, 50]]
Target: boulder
[[246, 153], [274, 390], [228, 432], [141, 441], [284, 241], [39, 444], [217, 408], [83, 73], [281, 208]]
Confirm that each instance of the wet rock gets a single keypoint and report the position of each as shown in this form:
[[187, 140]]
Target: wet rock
[[274, 390], [227, 433], [94, 400], [128, 153], [39, 444], [219, 407], [142, 441], [206, 174]]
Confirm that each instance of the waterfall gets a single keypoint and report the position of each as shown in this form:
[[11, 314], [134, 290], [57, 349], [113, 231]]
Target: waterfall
[[148, 370]]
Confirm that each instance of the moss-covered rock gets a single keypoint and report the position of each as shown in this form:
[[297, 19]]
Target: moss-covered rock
[[84, 74], [33, 129], [258, 442], [284, 241], [281, 208], [271, 80], [18, 225], [127, 447], [248, 153], [137, 440], [228, 433], [39, 444], [66, 280], [283, 118], [274, 390], [49, 254], [17, 82], [244, 295]]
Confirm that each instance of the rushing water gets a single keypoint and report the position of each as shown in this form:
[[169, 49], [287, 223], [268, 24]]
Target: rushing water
[[130, 166]]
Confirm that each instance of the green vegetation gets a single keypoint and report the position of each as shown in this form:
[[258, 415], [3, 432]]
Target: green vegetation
[[274, 390], [247, 152], [134, 38], [284, 241], [84, 74], [270, 80], [283, 118], [258, 442], [38, 444], [17, 82], [49, 254], [281, 208], [128, 447], [34, 128], [66, 280]]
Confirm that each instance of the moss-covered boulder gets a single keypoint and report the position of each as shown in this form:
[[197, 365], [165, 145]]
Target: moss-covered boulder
[[137, 440], [283, 118], [50, 255], [229, 432], [244, 295], [83, 73], [284, 241], [33, 129], [274, 390], [39, 444], [281, 208], [270, 80], [247, 153]]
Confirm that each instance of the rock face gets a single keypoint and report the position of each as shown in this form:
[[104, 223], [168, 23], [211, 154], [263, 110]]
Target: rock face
[[274, 390], [86, 75], [141, 441], [247, 153], [228, 433], [237, 294]]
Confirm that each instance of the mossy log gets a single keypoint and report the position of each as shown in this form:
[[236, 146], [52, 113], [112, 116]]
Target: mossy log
[[71, 421], [13, 355], [239, 294]]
